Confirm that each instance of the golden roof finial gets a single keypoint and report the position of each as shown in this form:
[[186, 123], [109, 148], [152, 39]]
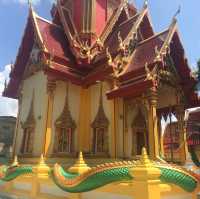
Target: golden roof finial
[[30, 3], [15, 162], [80, 166], [177, 12], [145, 3]]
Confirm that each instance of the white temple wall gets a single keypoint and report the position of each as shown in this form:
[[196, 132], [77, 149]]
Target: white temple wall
[[37, 84]]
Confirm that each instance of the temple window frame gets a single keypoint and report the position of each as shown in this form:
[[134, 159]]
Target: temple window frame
[[28, 126], [100, 122], [65, 123], [135, 130]]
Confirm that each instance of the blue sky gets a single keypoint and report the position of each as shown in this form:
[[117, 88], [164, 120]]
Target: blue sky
[[13, 15]]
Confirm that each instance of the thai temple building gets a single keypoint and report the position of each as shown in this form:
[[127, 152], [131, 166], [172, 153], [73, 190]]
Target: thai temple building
[[94, 83]]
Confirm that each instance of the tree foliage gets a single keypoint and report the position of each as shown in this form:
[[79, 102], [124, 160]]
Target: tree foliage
[[198, 70]]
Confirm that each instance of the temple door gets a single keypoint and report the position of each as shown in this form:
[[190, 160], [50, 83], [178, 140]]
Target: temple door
[[140, 140], [139, 135]]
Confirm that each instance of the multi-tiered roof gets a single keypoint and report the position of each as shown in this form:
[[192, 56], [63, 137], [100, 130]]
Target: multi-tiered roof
[[95, 40]]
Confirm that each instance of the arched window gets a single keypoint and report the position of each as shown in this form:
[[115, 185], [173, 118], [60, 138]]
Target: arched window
[[28, 131], [64, 131], [100, 130]]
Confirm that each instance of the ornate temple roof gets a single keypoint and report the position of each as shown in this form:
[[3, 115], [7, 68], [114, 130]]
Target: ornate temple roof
[[84, 47]]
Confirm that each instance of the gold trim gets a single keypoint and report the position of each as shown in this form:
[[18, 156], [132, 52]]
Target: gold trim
[[112, 21], [34, 15], [165, 46]]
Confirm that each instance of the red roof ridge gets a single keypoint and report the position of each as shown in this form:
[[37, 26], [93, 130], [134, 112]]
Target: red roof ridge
[[153, 37], [131, 18], [33, 18], [112, 21], [48, 21], [136, 25]]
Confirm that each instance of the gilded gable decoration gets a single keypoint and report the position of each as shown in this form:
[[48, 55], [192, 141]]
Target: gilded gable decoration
[[35, 63], [65, 127]]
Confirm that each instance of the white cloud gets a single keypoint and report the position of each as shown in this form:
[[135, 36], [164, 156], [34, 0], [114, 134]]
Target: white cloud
[[8, 107]]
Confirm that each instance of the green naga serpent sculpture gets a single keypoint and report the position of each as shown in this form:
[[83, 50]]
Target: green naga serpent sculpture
[[118, 172], [104, 174]]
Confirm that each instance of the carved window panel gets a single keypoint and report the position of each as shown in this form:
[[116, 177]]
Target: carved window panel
[[28, 131], [99, 142], [27, 143], [65, 140]]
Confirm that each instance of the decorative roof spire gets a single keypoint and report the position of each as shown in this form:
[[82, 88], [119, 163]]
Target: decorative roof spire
[[80, 166], [65, 120], [100, 120], [30, 4]]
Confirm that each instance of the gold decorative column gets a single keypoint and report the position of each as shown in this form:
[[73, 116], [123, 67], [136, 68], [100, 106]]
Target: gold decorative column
[[152, 125], [84, 127], [51, 85], [183, 150]]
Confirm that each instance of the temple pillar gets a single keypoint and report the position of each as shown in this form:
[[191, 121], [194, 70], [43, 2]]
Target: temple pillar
[[152, 125], [183, 149], [51, 85], [125, 129], [114, 126], [160, 137], [84, 121]]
